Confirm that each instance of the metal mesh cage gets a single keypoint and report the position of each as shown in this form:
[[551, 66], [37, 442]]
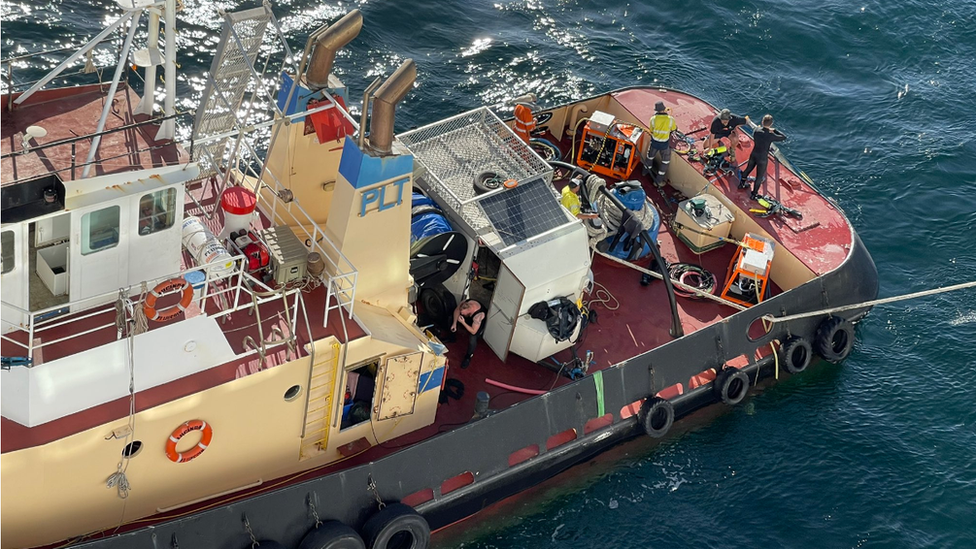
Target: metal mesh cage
[[457, 150]]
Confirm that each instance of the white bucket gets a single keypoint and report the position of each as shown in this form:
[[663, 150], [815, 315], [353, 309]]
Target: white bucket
[[204, 247], [237, 205]]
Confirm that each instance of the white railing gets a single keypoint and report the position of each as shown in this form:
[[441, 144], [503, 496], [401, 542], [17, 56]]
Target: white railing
[[222, 288]]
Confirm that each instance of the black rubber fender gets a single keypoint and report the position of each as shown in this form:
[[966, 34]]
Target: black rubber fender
[[731, 385], [397, 526], [267, 544], [795, 354], [835, 339], [656, 416], [332, 534]]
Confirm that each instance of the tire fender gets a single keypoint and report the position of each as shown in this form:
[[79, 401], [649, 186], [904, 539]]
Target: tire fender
[[795, 354], [731, 385], [332, 534], [399, 523], [656, 416], [835, 339]]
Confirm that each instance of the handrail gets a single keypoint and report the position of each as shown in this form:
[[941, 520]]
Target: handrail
[[103, 303]]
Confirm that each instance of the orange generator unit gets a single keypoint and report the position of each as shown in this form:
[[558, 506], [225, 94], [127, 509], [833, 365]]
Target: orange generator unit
[[608, 147]]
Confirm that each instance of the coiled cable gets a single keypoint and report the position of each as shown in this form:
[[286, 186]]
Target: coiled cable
[[694, 276]]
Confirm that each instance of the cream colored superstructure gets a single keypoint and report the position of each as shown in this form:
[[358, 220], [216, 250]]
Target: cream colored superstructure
[[257, 423]]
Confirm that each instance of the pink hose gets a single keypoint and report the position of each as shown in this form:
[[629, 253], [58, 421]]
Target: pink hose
[[514, 388]]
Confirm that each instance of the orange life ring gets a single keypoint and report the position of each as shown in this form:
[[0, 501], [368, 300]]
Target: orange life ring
[[180, 432], [169, 313], [510, 183]]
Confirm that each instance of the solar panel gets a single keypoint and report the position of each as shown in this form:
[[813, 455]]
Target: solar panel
[[523, 212]]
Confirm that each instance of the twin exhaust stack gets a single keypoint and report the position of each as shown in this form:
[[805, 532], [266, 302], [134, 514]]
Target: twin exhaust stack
[[326, 42]]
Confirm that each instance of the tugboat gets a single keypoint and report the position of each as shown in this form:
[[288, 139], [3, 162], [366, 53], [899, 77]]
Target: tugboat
[[250, 337]]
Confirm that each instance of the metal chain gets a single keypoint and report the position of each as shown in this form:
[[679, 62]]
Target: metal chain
[[312, 511], [250, 533], [376, 494]]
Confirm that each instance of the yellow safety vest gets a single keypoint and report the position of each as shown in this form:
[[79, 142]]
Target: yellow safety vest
[[570, 201], [661, 127]]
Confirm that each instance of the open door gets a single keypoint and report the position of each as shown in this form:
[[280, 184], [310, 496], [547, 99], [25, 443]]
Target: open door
[[503, 312], [13, 281]]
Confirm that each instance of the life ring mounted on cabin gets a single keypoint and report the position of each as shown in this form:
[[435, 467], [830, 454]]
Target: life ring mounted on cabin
[[182, 431], [165, 287]]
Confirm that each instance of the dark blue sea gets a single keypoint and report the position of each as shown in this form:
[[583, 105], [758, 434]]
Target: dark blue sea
[[879, 101]]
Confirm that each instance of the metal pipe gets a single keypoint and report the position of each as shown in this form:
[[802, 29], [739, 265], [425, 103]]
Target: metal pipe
[[133, 25], [362, 117], [167, 130], [384, 106], [71, 59], [327, 44]]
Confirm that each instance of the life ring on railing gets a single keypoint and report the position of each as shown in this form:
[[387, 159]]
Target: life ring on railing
[[169, 313], [182, 431], [510, 184]]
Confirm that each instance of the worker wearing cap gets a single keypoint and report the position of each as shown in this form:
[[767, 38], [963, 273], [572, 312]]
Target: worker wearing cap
[[569, 198], [661, 126], [724, 125], [763, 138]]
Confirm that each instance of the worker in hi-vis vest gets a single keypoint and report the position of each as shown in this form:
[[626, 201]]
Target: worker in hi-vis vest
[[661, 126]]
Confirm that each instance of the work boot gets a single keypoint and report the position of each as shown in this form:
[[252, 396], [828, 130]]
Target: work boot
[[754, 196]]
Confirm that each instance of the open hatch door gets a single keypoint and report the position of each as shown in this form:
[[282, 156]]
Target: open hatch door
[[503, 312]]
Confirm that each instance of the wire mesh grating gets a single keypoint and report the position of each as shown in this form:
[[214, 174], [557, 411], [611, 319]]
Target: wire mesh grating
[[457, 150]]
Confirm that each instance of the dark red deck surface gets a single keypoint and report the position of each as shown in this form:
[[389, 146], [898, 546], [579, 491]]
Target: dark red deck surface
[[821, 240], [70, 113]]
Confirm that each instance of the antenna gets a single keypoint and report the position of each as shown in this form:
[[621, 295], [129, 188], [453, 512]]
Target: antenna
[[32, 132]]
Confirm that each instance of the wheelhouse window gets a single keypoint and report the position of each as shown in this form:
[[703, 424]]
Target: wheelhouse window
[[157, 211], [100, 230], [7, 245]]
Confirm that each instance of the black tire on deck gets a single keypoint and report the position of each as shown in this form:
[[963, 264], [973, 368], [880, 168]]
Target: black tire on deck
[[487, 181]]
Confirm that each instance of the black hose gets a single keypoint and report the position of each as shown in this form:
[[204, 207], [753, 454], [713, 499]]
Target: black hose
[[676, 330]]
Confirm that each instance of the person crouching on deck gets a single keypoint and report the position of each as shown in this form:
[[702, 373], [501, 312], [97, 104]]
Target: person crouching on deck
[[470, 314]]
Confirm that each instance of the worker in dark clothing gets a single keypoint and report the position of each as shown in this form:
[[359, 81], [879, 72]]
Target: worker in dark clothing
[[763, 138], [724, 125], [470, 314]]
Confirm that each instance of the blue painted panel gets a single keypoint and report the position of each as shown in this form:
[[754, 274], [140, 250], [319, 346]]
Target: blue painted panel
[[431, 380], [299, 101], [362, 170]]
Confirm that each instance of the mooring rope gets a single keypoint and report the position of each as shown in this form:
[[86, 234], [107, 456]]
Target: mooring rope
[[872, 303], [685, 287]]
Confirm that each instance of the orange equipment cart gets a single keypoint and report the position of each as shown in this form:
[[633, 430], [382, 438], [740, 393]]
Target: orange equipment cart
[[608, 147], [748, 274]]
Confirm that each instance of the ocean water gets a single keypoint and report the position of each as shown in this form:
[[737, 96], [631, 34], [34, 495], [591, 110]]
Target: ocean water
[[879, 102]]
